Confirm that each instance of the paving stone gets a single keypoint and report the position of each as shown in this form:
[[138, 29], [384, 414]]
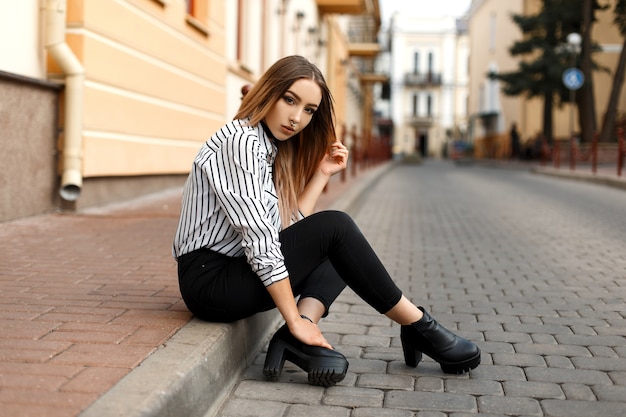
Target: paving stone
[[609, 392], [538, 328], [342, 328], [426, 367], [559, 362], [353, 397], [496, 347], [581, 392], [560, 408], [552, 350], [389, 331], [380, 412], [433, 401], [383, 353], [543, 339], [431, 384], [384, 381], [481, 415], [566, 375], [612, 341], [361, 366], [517, 359], [601, 364], [430, 414], [499, 373], [606, 352], [539, 390], [474, 387], [279, 391], [317, 410], [619, 378], [510, 405], [365, 340], [244, 408], [507, 337]]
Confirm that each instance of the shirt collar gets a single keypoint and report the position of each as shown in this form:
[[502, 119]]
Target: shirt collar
[[268, 140]]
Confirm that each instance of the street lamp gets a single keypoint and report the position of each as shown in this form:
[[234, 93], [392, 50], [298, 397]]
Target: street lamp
[[573, 79]]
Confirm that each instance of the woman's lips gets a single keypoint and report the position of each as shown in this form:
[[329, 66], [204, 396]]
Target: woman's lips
[[287, 129]]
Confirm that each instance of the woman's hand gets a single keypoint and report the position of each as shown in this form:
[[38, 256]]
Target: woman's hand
[[335, 159], [308, 333]]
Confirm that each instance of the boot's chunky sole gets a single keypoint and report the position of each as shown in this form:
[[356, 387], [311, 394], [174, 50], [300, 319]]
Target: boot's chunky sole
[[325, 367], [412, 357]]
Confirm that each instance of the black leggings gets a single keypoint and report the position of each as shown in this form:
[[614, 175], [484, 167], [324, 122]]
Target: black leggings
[[323, 252]]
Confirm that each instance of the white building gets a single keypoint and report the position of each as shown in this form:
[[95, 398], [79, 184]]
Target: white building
[[428, 60]]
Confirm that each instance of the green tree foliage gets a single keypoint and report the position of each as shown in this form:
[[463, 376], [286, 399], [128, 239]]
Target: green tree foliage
[[608, 123], [544, 55]]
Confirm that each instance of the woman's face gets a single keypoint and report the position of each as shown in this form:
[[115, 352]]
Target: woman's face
[[294, 110]]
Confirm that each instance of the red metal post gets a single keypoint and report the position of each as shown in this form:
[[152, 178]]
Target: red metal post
[[620, 151], [354, 150], [557, 154], [594, 153], [343, 140], [572, 153]]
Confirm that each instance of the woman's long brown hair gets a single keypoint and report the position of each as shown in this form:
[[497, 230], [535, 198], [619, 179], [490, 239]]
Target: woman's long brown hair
[[298, 157]]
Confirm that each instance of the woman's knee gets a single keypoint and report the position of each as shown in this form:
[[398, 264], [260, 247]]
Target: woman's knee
[[337, 219]]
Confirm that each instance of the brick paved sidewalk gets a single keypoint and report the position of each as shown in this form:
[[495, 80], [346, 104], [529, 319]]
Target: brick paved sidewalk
[[86, 297]]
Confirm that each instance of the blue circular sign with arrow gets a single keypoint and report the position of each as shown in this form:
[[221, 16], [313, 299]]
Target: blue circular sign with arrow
[[573, 78]]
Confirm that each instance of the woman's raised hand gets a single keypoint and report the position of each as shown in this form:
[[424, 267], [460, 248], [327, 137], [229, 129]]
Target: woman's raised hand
[[335, 159]]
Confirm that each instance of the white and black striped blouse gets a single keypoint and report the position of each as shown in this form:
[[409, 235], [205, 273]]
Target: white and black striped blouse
[[230, 203]]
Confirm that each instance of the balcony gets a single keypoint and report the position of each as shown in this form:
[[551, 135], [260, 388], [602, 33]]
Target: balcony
[[418, 121], [362, 49], [341, 6], [425, 79]]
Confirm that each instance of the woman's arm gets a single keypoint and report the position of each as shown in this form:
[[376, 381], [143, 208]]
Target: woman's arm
[[333, 162]]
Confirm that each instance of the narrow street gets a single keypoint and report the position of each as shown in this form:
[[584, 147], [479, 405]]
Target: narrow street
[[530, 267]]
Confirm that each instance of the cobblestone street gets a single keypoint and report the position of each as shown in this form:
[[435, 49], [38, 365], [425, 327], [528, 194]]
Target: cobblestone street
[[532, 268]]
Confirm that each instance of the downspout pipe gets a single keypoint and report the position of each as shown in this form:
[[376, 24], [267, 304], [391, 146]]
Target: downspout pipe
[[74, 73]]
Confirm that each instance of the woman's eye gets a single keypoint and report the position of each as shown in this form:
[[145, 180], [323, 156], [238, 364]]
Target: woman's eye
[[309, 110], [289, 100]]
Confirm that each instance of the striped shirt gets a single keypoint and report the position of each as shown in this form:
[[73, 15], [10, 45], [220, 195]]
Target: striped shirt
[[230, 204]]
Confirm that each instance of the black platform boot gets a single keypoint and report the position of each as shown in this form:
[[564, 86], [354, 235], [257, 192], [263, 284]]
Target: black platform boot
[[325, 366], [454, 354]]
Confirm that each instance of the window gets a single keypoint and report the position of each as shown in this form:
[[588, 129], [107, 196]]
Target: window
[[415, 104], [429, 105], [198, 15], [416, 63]]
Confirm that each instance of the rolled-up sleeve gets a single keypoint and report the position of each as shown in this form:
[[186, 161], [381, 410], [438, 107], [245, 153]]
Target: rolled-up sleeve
[[241, 178]]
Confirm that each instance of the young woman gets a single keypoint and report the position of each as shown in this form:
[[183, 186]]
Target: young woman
[[248, 239]]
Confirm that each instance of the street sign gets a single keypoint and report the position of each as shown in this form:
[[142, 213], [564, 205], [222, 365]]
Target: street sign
[[573, 78]]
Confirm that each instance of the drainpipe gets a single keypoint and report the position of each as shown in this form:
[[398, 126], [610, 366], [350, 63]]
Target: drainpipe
[[71, 176]]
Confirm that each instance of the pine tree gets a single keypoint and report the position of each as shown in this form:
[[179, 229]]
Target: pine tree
[[544, 47], [608, 123]]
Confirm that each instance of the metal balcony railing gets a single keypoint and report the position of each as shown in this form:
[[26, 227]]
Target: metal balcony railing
[[419, 120], [422, 79]]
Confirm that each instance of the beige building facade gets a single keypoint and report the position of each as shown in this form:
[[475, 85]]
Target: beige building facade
[[138, 85], [491, 34], [429, 83]]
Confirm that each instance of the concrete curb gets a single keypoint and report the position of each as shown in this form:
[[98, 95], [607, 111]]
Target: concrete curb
[[607, 180], [193, 373]]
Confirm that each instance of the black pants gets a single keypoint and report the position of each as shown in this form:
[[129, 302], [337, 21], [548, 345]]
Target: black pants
[[323, 253]]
